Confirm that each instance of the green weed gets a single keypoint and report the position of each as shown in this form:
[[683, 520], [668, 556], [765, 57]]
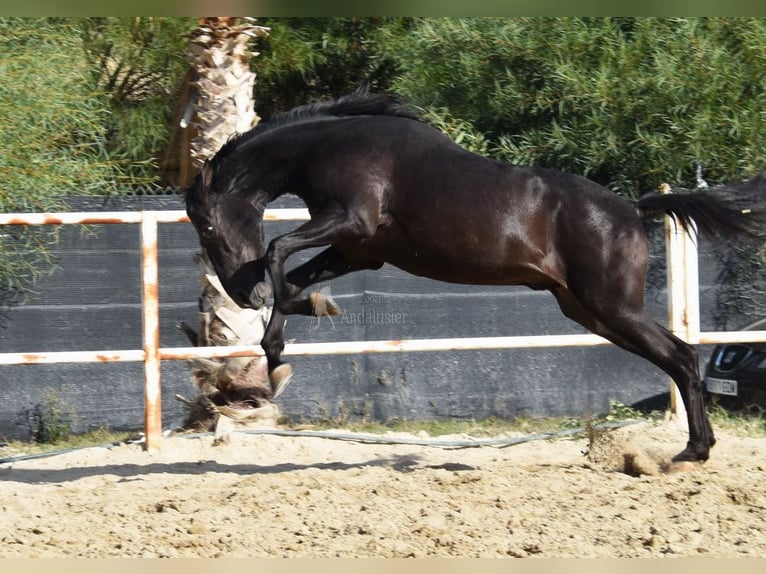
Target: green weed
[[51, 420]]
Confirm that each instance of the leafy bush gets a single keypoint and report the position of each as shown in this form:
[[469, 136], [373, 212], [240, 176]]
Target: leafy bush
[[51, 420], [629, 102], [85, 110], [53, 137]]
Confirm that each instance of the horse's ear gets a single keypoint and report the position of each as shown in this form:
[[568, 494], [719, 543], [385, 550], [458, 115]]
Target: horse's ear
[[207, 175]]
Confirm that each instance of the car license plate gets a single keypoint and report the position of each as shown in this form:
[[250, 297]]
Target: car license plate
[[721, 386]]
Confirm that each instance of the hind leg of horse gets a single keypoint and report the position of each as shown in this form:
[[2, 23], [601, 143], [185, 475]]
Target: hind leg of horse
[[630, 327], [679, 360]]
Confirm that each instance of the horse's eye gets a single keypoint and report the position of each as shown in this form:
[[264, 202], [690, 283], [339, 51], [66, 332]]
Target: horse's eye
[[207, 232]]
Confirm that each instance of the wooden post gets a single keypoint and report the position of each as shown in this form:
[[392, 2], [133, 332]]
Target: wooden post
[[683, 291], [151, 331], [691, 286]]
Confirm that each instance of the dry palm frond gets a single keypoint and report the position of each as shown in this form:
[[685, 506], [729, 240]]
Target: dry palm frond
[[236, 383]]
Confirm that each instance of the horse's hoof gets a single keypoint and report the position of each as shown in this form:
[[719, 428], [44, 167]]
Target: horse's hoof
[[323, 305], [692, 454], [279, 378], [260, 294], [682, 466]]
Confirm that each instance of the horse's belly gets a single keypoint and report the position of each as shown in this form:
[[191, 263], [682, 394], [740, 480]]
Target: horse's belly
[[453, 266], [469, 274]]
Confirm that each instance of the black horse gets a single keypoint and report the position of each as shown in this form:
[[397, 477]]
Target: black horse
[[384, 187]]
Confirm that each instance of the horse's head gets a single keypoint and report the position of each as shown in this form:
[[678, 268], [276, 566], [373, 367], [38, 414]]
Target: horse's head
[[230, 228]]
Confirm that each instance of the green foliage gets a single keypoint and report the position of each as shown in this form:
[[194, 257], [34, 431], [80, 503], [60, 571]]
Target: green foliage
[[85, 104], [629, 102], [309, 59], [459, 130], [53, 138], [139, 64], [85, 107], [54, 134], [621, 412], [98, 437], [750, 421], [51, 420]]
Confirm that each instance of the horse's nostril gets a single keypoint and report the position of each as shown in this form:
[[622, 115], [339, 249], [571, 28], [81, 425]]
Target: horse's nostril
[[242, 299], [261, 292]]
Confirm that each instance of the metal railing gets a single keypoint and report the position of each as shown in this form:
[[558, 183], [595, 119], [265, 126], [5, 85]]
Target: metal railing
[[683, 290]]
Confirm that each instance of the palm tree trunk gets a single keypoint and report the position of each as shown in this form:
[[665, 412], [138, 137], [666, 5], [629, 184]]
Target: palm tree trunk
[[220, 105], [223, 82]]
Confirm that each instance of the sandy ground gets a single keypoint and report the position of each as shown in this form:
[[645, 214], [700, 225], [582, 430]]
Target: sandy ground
[[274, 496]]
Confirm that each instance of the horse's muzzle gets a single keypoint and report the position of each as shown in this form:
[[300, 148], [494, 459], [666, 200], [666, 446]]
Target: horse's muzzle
[[254, 299], [257, 297], [247, 286]]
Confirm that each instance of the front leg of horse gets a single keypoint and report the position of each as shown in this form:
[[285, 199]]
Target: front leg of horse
[[322, 230], [317, 304], [325, 266], [286, 302], [273, 343]]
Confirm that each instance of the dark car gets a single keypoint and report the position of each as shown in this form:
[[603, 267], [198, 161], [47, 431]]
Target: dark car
[[736, 373]]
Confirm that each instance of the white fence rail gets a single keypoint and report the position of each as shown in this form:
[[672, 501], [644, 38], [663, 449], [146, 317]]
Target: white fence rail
[[683, 298]]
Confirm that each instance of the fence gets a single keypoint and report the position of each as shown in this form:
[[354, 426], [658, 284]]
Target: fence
[[684, 316]]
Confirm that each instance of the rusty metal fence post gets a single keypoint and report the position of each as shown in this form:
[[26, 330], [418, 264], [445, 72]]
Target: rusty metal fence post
[[150, 310]]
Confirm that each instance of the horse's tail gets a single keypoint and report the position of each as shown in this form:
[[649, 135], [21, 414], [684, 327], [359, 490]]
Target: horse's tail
[[720, 212]]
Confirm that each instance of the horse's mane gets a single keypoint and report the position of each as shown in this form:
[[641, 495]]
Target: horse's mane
[[360, 102]]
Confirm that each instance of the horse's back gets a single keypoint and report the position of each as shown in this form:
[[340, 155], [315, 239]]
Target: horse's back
[[446, 213], [418, 159]]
